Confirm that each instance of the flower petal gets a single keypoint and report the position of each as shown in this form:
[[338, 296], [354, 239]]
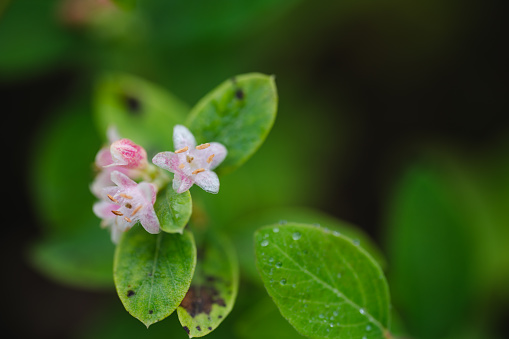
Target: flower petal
[[148, 192], [166, 160], [116, 233], [219, 152], [124, 152], [149, 221], [207, 180], [182, 137], [103, 209], [181, 182], [103, 157], [112, 134], [122, 180]]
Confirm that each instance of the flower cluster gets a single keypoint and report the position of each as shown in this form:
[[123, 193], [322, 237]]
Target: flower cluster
[[124, 202]]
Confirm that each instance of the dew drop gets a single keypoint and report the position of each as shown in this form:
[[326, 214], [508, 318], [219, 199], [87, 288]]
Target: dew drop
[[279, 264], [364, 337], [266, 235], [283, 282], [275, 229], [296, 236], [271, 259], [282, 222], [293, 285], [264, 243], [362, 311], [335, 313], [368, 328], [320, 315], [356, 242], [339, 275], [331, 325]]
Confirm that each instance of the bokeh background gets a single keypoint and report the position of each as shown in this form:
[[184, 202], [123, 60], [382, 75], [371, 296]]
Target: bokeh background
[[392, 117]]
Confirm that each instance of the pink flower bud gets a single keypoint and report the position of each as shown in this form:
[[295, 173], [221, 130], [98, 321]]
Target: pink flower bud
[[127, 154]]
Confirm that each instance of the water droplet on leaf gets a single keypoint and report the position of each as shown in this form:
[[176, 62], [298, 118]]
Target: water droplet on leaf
[[279, 264], [283, 282], [296, 236], [264, 243]]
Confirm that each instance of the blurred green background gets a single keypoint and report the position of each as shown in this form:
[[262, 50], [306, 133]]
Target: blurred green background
[[392, 117]]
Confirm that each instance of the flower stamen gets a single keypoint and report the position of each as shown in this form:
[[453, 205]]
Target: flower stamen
[[199, 170], [117, 213], [136, 210], [182, 150], [112, 199], [127, 219], [125, 196], [203, 146], [209, 160], [182, 165], [189, 159]]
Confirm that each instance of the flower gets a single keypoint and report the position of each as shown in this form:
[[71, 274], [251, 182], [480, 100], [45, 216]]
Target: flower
[[192, 164], [126, 204], [121, 155], [103, 209], [127, 154]]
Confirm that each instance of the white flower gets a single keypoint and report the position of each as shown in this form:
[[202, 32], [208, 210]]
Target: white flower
[[190, 163]]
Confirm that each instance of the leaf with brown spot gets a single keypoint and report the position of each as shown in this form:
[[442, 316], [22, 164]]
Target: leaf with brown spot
[[153, 272], [213, 289]]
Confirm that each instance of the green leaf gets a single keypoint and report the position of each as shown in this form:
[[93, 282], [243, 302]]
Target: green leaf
[[173, 210], [239, 113], [264, 320], [81, 260], [246, 225], [214, 288], [141, 111], [152, 273], [126, 4], [429, 233], [60, 168], [324, 284]]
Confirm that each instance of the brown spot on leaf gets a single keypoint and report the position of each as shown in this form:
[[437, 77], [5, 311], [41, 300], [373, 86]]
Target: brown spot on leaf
[[198, 328], [239, 94], [199, 299], [186, 329], [150, 311], [130, 293], [132, 103], [210, 328]]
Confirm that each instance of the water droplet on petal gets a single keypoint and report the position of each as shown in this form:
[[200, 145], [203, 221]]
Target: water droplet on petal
[[264, 243], [283, 282], [296, 236], [279, 264]]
